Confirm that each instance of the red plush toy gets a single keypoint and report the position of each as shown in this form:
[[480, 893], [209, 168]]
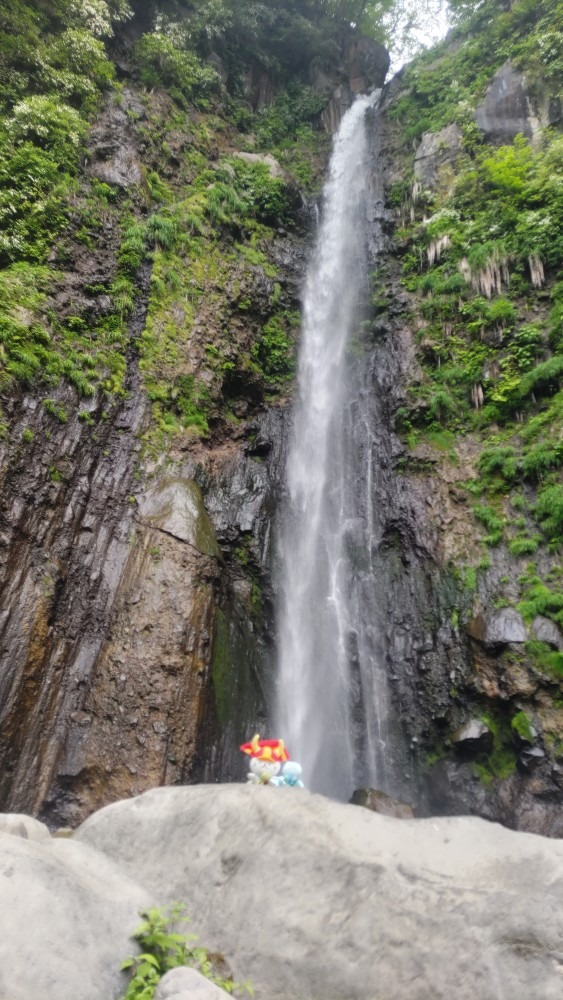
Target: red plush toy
[[266, 759]]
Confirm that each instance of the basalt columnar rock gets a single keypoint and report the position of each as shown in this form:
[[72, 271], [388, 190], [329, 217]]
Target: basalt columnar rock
[[360, 905]]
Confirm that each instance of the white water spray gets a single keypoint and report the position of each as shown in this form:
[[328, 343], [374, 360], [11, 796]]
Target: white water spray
[[327, 708]]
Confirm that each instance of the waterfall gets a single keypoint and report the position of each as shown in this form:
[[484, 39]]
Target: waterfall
[[331, 691]]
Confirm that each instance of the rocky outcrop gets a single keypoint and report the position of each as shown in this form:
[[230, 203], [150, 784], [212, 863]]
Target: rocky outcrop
[[469, 670], [366, 64], [339, 886], [337, 107], [513, 107], [133, 623], [498, 628], [473, 738], [360, 905], [547, 631], [115, 156], [506, 111], [436, 150]]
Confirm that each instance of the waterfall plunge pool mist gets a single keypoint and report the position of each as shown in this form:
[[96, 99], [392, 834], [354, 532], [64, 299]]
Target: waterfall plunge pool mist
[[331, 687]]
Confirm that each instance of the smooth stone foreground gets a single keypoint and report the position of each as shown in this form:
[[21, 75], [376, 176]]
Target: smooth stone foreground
[[187, 984], [314, 900], [66, 913], [307, 898]]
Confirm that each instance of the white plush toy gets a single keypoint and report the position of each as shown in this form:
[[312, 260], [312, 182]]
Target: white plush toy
[[262, 772]]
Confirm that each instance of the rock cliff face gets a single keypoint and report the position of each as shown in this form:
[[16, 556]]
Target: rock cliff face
[[137, 608], [478, 709], [138, 529], [132, 637]]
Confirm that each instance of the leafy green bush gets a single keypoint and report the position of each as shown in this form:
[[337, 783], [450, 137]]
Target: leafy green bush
[[545, 658], [163, 948], [549, 510], [224, 204], [98, 16], [133, 245], [523, 545], [544, 379], [441, 405], [540, 600], [161, 62], [162, 230], [501, 461], [295, 106], [268, 199], [501, 761], [76, 65], [275, 351], [492, 522], [540, 458], [49, 124]]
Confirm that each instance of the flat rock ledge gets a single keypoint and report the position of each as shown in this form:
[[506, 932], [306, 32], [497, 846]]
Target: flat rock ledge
[[306, 898]]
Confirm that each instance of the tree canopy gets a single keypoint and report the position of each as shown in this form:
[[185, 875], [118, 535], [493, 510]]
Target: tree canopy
[[293, 30]]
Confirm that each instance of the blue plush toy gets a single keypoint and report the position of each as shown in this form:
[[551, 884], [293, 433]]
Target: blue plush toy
[[290, 775]]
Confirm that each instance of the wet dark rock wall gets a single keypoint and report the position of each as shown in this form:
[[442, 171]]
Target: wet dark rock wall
[[65, 535]]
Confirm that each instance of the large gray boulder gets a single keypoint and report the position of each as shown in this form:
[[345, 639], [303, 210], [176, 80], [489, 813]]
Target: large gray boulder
[[66, 913], [314, 900]]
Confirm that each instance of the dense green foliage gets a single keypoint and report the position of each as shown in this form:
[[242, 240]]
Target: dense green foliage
[[56, 72], [53, 70], [164, 947], [482, 253], [445, 83]]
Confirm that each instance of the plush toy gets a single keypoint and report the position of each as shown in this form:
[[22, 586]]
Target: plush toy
[[289, 775], [266, 759], [270, 763], [263, 772]]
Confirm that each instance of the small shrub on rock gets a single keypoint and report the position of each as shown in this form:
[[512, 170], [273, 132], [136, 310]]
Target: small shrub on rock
[[164, 948]]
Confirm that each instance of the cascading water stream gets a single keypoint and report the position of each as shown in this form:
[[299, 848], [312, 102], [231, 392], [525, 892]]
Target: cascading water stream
[[331, 695]]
